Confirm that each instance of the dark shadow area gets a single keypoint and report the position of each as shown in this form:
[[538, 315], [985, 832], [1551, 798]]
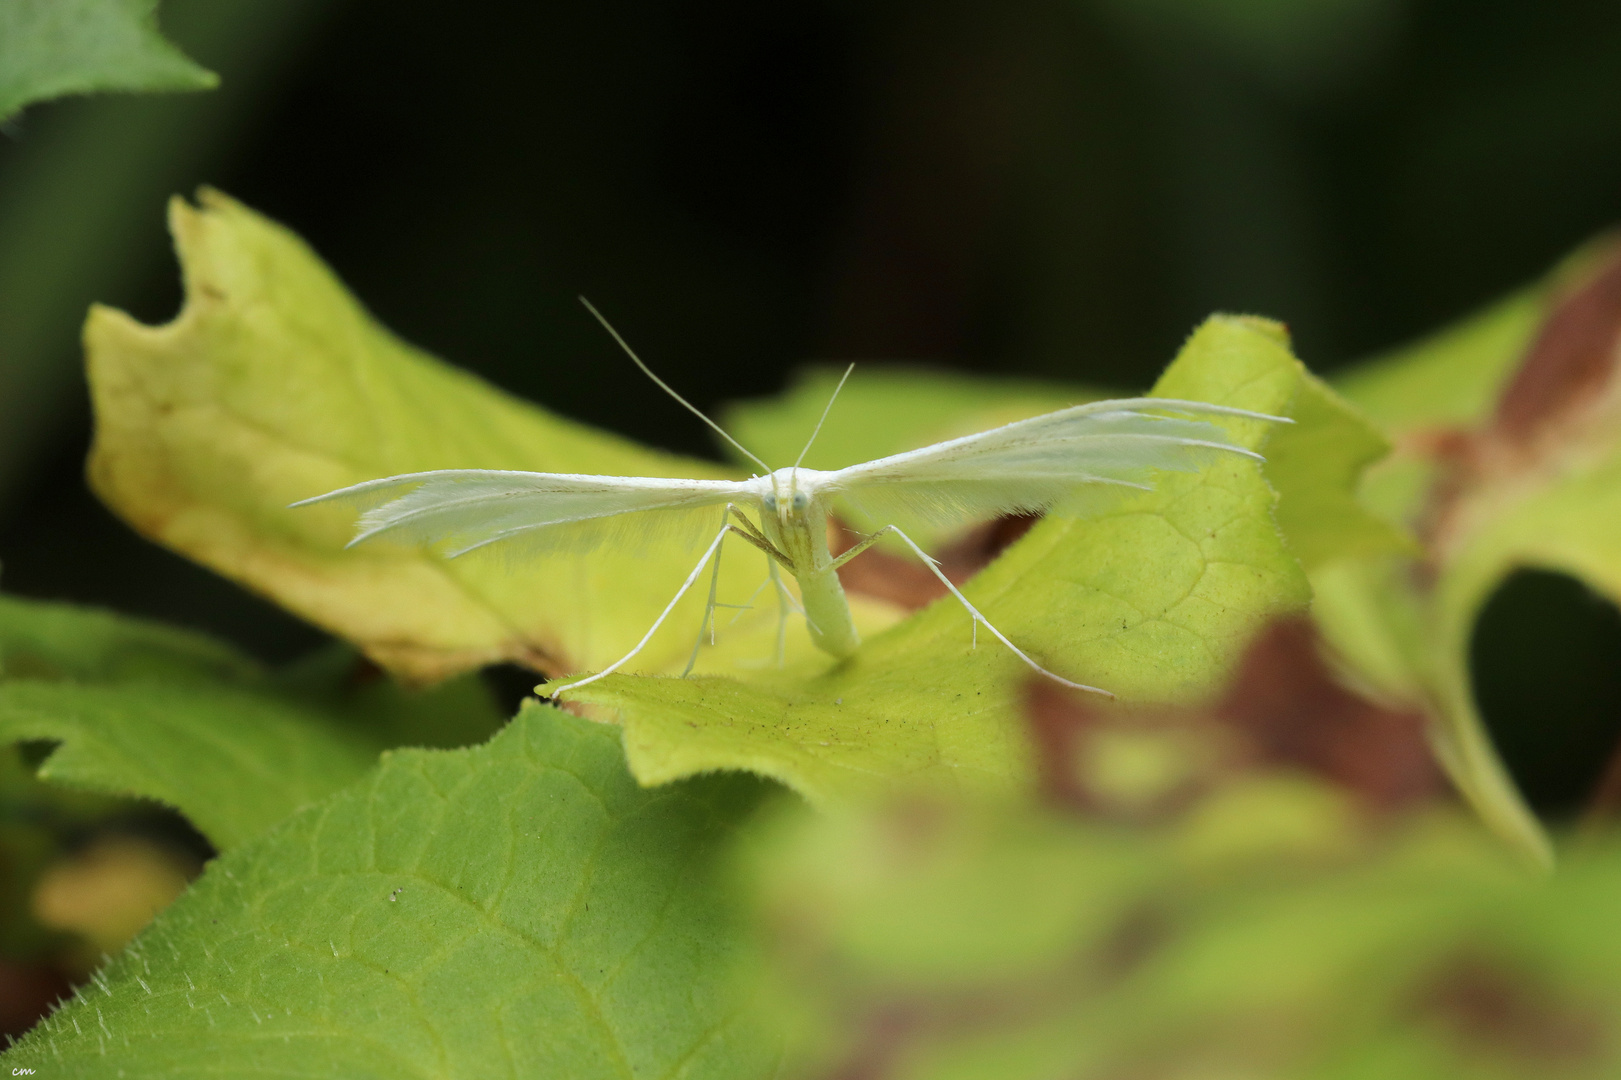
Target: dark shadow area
[[510, 685], [60, 543], [1546, 663]]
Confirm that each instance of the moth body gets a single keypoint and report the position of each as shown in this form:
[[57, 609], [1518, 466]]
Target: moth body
[[793, 517]]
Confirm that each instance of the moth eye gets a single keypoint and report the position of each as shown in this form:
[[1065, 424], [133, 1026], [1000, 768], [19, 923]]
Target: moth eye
[[770, 502], [801, 500]]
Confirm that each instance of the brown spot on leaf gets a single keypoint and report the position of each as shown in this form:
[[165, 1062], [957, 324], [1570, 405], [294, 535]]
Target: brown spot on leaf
[[1571, 361], [1285, 698], [1285, 708], [1493, 1009], [1562, 388]]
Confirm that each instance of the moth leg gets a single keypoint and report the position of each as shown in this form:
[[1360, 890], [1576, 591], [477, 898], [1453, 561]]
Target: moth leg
[[934, 567], [747, 605], [748, 531], [862, 546], [709, 609], [783, 599], [714, 545]]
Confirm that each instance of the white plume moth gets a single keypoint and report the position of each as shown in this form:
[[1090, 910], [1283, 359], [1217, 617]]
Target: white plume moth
[[1060, 461]]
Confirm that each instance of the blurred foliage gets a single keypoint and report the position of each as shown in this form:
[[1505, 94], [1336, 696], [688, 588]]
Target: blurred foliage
[[1267, 931], [49, 48], [1264, 886]]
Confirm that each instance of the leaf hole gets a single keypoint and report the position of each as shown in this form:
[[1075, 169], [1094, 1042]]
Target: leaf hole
[[1545, 659]]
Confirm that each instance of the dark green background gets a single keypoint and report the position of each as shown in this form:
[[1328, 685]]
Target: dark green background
[[1057, 187]]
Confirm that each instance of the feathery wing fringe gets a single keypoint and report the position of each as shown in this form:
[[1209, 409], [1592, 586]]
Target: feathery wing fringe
[[458, 510], [1072, 460]]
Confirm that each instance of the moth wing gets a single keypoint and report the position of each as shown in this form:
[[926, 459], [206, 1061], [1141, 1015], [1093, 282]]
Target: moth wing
[[1076, 460], [455, 511]]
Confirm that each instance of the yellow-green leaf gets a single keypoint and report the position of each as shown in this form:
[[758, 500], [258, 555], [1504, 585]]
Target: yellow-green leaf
[[1316, 464], [274, 385]]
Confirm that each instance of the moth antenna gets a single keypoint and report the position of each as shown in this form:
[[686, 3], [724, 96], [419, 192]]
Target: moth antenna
[[662, 385], [825, 410]]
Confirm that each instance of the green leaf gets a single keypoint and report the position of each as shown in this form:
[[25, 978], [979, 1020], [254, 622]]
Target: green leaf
[[518, 908], [144, 710], [1151, 601], [49, 48], [234, 763], [66, 641], [274, 385]]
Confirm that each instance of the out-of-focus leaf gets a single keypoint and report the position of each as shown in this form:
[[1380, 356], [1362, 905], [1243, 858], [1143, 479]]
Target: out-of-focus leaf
[[106, 892], [233, 761], [1152, 601], [885, 409], [1451, 377], [518, 908], [1508, 432], [275, 385], [144, 710], [1316, 464], [35, 820], [66, 641], [363, 700], [49, 48], [1427, 960], [1251, 925]]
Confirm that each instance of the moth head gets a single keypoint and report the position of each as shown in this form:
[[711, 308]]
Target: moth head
[[785, 499]]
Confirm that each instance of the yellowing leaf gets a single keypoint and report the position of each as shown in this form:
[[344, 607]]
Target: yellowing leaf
[[1152, 601], [274, 385]]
